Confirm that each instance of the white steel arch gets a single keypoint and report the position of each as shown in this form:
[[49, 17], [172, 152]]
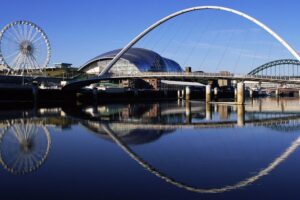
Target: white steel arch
[[158, 23]]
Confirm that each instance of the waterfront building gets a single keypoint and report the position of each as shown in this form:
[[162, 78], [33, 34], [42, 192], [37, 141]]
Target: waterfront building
[[135, 60]]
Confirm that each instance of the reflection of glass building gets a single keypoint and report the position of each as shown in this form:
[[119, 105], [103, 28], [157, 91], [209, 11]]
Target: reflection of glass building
[[135, 60]]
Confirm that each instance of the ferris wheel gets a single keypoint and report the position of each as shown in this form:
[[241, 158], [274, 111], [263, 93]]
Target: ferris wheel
[[24, 48]]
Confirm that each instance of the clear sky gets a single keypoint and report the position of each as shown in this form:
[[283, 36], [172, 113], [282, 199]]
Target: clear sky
[[82, 29]]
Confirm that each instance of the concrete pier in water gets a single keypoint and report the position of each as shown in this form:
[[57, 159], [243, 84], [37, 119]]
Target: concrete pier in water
[[250, 93], [240, 93], [215, 91], [208, 93], [187, 93]]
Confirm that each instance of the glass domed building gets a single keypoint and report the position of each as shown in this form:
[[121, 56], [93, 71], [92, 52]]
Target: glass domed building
[[135, 60]]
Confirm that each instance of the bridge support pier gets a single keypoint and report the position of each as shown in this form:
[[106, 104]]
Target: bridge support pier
[[216, 92], [208, 93], [187, 93], [240, 93], [240, 115], [208, 113], [277, 93], [235, 93], [250, 93]]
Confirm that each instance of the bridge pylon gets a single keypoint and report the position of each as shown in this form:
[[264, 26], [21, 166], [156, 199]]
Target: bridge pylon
[[208, 93], [240, 93]]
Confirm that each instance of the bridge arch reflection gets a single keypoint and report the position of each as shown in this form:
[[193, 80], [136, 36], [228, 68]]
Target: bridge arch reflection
[[263, 172]]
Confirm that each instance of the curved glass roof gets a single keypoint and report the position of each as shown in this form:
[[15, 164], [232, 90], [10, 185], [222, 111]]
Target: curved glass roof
[[145, 60]]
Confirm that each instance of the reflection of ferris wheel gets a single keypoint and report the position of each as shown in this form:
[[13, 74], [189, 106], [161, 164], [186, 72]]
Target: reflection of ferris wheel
[[24, 147], [24, 47]]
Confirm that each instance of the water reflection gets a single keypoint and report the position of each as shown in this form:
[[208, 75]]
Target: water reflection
[[240, 184], [25, 140], [24, 146]]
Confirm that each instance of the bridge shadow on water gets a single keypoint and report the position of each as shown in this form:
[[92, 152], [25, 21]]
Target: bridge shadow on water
[[187, 147]]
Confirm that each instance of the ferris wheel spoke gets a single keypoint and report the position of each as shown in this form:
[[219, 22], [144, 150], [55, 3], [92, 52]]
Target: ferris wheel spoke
[[21, 61], [10, 50], [22, 31], [35, 61], [34, 35], [12, 54], [26, 66], [19, 65], [38, 44], [17, 133], [26, 166], [12, 158], [29, 63], [30, 131], [14, 35], [37, 39], [17, 34], [36, 157], [29, 33], [30, 162], [16, 60], [32, 62], [25, 129], [16, 162], [12, 38], [20, 164]]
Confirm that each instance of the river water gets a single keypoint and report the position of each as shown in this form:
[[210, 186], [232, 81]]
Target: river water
[[153, 150]]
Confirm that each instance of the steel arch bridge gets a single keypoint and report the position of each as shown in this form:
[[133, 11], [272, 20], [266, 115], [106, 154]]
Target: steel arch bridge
[[78, 84], [274, 68], [199, 8]]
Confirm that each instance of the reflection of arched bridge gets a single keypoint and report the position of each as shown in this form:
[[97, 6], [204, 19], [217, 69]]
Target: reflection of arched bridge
[[192, 76], [293, 121], [285, 127], [244, 183]]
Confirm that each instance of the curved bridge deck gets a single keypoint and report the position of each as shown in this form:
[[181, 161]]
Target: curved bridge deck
[[183, 76]]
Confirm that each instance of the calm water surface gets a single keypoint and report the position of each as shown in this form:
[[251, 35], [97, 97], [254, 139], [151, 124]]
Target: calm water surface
[[159, 150]]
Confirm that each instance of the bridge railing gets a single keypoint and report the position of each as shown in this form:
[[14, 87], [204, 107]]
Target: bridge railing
[[181, 75]]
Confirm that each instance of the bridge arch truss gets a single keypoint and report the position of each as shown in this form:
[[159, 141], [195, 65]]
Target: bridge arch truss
[[278, 67], [192, 9]]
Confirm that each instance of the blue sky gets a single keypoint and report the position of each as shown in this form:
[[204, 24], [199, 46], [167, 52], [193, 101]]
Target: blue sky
[[79, 30]]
